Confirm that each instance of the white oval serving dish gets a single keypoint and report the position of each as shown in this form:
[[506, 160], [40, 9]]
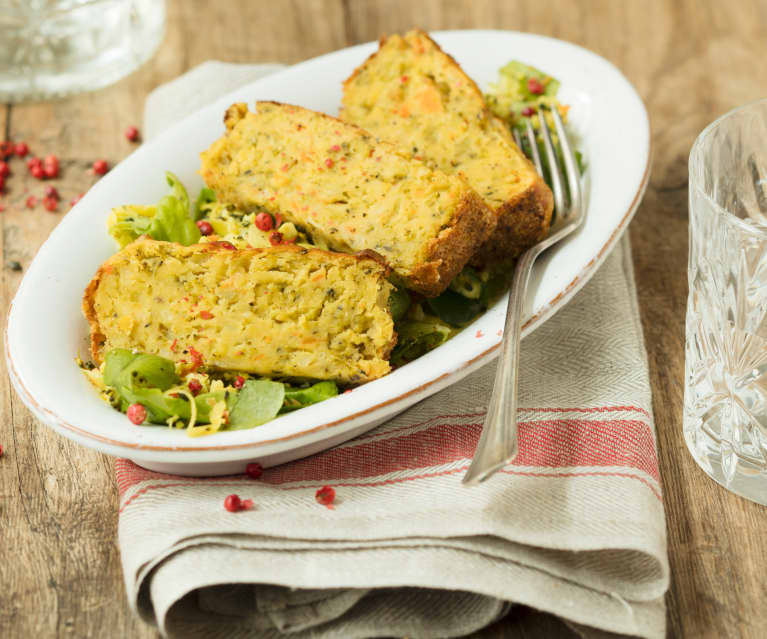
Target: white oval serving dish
[[46, 328]]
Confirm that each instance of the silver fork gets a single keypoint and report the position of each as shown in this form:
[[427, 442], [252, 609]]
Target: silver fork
[[498, 443]]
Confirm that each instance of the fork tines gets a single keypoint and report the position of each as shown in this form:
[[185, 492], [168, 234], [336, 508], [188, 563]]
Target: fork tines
[[554, 160]]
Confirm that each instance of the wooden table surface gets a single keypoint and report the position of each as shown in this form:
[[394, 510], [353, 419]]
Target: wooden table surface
[[690, 60]]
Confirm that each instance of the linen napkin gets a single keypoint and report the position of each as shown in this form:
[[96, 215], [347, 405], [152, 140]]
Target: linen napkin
[[574, 527]]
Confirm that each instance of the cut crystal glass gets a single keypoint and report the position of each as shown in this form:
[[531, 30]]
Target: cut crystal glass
[[725, 406]]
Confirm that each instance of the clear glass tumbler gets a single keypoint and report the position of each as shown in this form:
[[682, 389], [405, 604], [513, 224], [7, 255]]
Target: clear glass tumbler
[[52, 48], [725, 401]]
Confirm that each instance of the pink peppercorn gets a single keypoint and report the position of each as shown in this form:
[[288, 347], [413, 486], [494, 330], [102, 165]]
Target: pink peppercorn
[[51, 192], [31, 202], [136, 413], [254, 470], [51, 166], [528, 111], [534, 86], [194, 386], [21, 149], [5, 170], [239, 382], [100, 167], [264, 222], [131, 134], [205, 227], [233, 503], [329, 163], [325, 495], [50, 204]]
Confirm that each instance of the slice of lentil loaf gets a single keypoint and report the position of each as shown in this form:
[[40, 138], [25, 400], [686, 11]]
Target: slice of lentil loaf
[[281, 311], [348, 190], [414, 94]]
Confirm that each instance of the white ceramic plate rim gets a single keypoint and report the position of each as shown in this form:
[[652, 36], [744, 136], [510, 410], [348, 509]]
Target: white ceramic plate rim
[[476, 345]]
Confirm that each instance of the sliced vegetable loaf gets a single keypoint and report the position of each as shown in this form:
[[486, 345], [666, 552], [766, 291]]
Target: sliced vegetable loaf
[[348, 190], [412, 93], [281, 311]]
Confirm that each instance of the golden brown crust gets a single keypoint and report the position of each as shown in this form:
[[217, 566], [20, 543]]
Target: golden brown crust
[[448, 254], [389, 347], [522, 222], [97, 337], [234, 114]]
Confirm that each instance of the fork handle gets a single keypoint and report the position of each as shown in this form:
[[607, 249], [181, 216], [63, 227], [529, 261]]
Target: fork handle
[[498, 444]]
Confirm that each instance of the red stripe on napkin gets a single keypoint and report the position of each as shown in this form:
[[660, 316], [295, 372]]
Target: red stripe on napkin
[[545, 444]]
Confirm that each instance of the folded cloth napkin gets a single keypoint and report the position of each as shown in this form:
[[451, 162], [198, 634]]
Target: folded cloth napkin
[[574, 527]]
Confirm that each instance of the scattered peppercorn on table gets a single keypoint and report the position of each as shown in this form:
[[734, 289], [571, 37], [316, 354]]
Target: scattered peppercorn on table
[[61, 574]]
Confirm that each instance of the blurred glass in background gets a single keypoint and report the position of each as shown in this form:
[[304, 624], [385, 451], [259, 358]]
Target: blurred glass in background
[[53, 48]]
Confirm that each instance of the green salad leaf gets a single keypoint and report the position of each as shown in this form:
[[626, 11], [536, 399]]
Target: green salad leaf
[[206, 196], [296, 398], [140, 378], [511, 94], [150, 380], [169, 221], [494, 286], [257, 402], [172, 221], [399, 302], [127, 223], [454, 308], [141, 370], [467, 283], [177, 191], [517, 75], [161, 407], [417, 337]]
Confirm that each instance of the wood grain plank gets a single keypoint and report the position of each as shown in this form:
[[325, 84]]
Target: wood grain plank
[[712, 549], [60, 499]]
